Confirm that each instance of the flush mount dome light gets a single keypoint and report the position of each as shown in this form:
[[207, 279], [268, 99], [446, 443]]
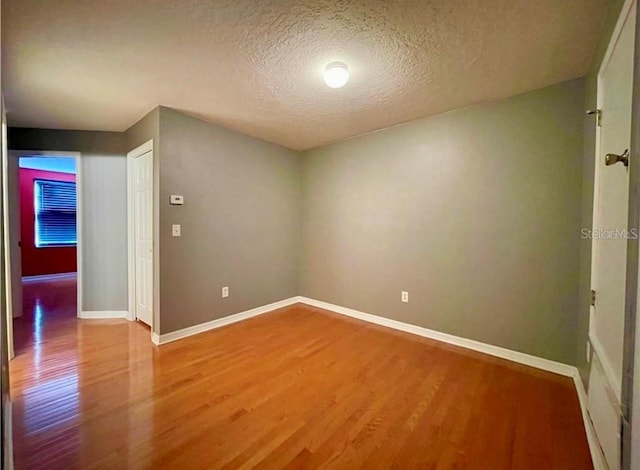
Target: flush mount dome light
[[336, 74]]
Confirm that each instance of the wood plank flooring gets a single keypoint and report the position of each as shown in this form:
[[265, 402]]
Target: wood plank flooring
[[296, 388]]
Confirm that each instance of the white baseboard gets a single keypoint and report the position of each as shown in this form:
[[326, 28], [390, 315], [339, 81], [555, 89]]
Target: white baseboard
[[545, 364], [597, 457], [49, 277], [496, 351], [210, 325], [515, 356], [103, 314], [606, 367]]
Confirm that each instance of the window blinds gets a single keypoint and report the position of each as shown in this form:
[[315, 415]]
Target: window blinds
[[55, 211]]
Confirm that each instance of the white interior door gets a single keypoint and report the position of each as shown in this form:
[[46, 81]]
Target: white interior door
[[143, 232], [606, 329]]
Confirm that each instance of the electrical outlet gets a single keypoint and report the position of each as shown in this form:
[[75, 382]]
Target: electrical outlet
[[176, 200], [175, 230], [404, 296], [225, 292]]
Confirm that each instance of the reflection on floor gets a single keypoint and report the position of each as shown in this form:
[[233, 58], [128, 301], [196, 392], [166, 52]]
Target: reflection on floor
[[49, 309], [56, 356], [55, 296], [296, 388]]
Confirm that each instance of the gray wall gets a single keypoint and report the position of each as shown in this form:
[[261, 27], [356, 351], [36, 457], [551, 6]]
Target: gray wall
[[240, 222], [588, 169], [145, 129], [148, 128], [104, 201], [475, 212], [13, 246], [401, 209]]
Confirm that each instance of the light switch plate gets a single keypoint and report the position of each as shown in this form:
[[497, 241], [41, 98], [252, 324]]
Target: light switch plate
[[176, 230], [176, 200]]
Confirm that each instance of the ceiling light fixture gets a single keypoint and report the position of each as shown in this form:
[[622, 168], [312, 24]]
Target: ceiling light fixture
[[336, 74]]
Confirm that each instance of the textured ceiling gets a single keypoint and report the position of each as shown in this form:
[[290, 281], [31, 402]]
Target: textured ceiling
[[256, 66]]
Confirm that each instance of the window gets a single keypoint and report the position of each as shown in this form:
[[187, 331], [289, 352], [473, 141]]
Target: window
[[55, 211]]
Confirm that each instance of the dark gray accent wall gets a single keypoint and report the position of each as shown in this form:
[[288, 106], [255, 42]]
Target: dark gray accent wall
[[476, 213], [240, 221], [588, 170], [104, 201]]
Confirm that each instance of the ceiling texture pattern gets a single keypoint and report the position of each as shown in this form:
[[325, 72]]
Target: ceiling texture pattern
[[256, 65]]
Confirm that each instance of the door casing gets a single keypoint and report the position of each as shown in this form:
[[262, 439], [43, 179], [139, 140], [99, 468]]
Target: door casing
[[131, 156], [615, 388]]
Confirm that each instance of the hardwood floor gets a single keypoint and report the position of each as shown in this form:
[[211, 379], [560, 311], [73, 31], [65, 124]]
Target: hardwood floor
[[296, 388]]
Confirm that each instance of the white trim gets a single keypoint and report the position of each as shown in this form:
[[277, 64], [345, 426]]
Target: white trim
[[48, 277], [102, 314], [608, 371], [613, 41], [210, 325], [609, 376], [79, 231], [141, 149], [597, 457], [539, 363], [135, 153], [615, 36], [515, 356]]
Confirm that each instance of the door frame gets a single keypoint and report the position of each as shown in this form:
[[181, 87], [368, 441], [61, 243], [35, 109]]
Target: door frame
[[131, 156], [631, 366], [620, 391], [79, 222], [624, 13]]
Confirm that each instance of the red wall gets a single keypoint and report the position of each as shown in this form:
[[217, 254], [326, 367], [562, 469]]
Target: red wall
[[49, 260]]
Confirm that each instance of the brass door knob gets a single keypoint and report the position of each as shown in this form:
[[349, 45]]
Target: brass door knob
[[612, 158]]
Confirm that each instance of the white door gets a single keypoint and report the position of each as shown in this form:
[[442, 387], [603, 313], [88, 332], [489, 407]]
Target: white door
[[606, 329], [142, 225]]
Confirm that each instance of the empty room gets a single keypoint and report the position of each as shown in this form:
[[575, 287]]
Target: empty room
[[320, 234]]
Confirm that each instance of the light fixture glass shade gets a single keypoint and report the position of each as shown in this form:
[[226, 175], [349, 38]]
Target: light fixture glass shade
[[336, 74]]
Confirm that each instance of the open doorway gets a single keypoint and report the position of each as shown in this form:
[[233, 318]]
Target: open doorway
[[44, 232]]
